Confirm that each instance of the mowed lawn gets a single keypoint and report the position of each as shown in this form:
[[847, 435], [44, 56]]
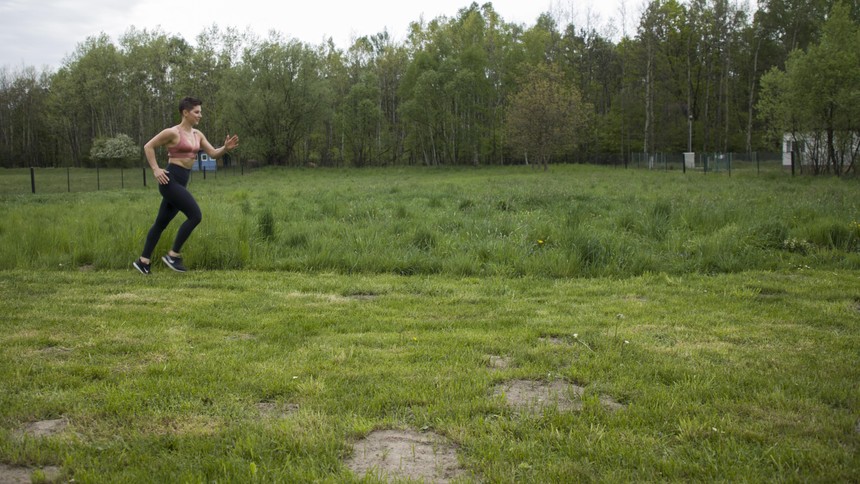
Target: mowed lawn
[[279, 375]]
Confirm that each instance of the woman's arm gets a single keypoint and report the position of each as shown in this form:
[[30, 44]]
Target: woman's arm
[[161, 139], [229, 143]]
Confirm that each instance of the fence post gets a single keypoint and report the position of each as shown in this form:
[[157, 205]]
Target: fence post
[[204, 172], [68, 179], [33, 180], [98, 178], [144, 176]]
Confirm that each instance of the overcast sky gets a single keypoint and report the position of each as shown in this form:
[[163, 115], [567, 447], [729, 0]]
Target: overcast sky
[[41, 33]]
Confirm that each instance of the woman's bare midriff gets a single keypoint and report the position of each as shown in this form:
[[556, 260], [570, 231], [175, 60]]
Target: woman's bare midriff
[[186, 163]]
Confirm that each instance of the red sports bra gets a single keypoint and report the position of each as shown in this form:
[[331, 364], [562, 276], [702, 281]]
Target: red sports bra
[[184, 149]]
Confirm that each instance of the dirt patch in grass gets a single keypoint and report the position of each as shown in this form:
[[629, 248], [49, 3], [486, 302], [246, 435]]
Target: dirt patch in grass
[[770, 292], [276, 410], [46, 428], [499, 362], [553, 340], [23, 475], [335, 298], [405, 454], [534, 396], [362, 296], [55, 350]]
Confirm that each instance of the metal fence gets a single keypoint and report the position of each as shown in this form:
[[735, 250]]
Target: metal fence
[[15, 181], [57, 180], [716, 162]]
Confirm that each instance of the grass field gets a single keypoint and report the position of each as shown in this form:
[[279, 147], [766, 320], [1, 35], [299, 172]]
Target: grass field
[[721, 315], [571, 222]]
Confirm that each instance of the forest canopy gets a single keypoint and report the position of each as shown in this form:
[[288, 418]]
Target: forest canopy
[[451, 91]]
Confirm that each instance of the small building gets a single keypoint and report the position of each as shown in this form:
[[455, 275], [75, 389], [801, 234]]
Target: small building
[[810, 148], [204, 162]]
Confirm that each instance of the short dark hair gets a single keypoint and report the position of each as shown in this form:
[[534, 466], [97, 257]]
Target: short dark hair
[[188, 103]]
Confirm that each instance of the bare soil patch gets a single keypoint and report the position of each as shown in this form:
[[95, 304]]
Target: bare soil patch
[[553, 340], [22, 475], [405, 454], [534, 396], [499, 362], [276, 410], [46, 428], [55, 350]]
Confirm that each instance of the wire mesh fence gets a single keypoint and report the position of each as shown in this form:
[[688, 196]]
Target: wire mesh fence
[[57, 180], [14, 181]]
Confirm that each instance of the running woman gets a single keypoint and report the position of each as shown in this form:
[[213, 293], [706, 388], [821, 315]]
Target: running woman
[[183, 142]]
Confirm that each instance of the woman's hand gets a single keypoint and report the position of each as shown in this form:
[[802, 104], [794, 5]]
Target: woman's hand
[[161, 176], [231, 142]]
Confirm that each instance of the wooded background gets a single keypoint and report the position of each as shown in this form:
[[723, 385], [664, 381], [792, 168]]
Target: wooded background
[[463, 90]]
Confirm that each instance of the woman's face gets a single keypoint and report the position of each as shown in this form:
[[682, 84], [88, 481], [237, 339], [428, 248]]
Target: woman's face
[[194, 115]]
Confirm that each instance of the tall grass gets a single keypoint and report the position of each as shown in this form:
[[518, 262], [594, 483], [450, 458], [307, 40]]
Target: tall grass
[[506, 221]]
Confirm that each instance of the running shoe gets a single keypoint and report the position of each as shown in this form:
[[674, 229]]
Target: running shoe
[[174, 263], [141, 266]]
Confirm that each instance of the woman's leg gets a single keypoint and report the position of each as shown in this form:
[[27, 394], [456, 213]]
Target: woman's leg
[[182, 199], [166, 212]]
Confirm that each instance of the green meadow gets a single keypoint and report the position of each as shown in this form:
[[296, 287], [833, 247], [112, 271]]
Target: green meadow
[[720, 313]]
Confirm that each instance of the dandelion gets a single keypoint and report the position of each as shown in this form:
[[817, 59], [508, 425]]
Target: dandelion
[[540, 242]]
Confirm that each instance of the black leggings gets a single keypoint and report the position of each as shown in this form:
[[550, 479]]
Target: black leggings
[[175, 198]]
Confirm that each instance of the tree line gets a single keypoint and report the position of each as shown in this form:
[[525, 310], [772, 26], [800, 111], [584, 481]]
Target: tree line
[[704, 75]]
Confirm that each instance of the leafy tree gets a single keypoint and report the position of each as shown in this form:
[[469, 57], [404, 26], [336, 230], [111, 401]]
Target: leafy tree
[[545, 116], [276, 95], [443, 94], [25, 132], [362, 116], [817, 97]]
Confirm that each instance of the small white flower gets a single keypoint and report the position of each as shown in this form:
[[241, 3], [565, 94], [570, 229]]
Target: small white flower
[[626, 342], [295, 378], [576, 335]]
